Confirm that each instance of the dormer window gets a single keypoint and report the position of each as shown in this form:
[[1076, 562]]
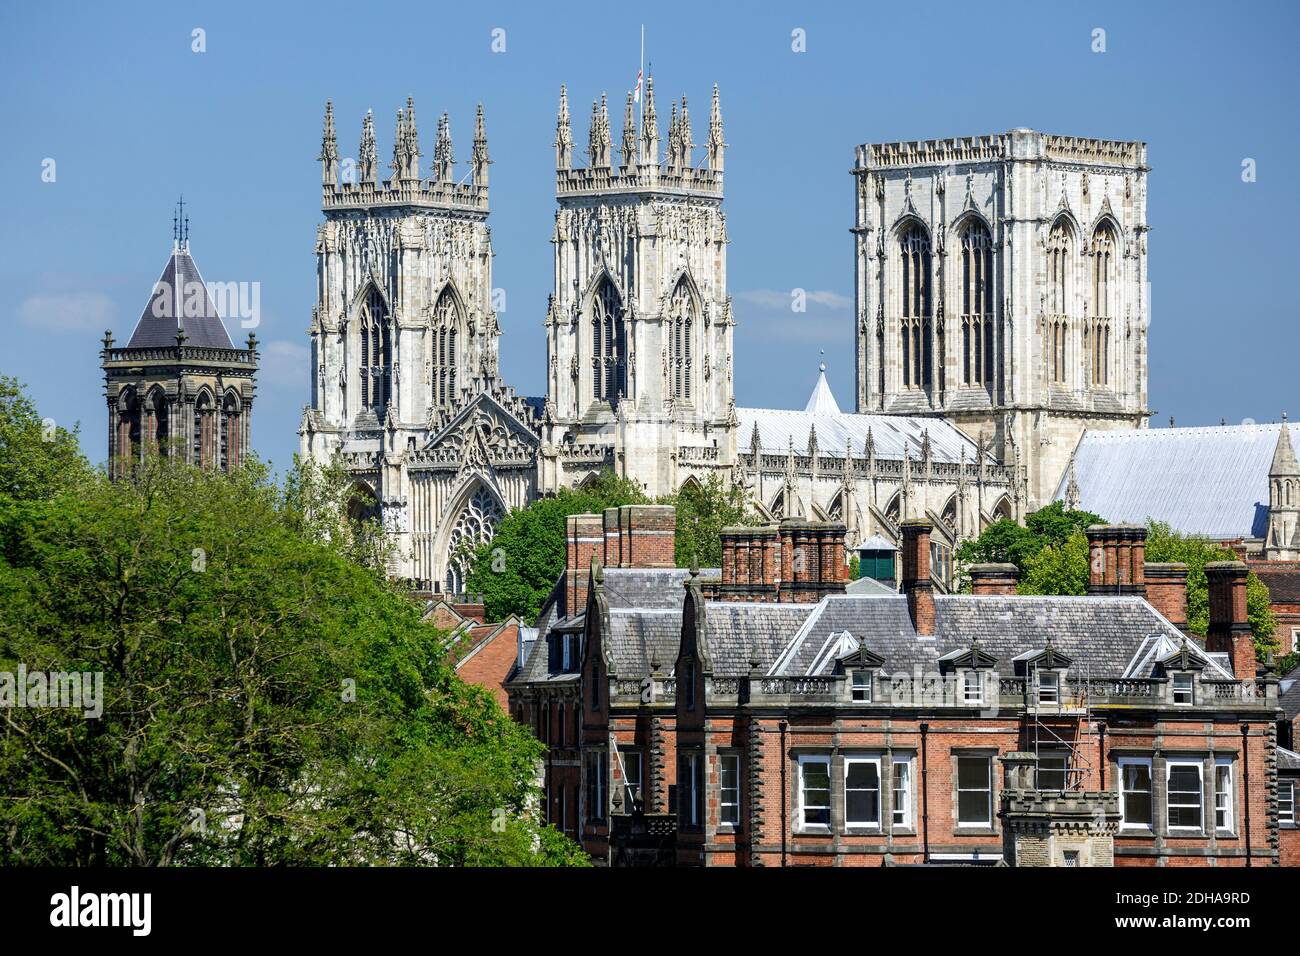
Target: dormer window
[[862, 685], [1184, 689], [972, 689], [566, 653], [1049, 687]]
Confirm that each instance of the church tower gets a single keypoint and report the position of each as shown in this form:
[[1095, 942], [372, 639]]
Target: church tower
[[179, 387], [1282, 540], [404, 337], [639, 323], [1002, 283]]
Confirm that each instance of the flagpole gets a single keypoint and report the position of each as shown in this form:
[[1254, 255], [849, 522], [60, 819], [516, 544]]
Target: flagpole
[[640, 100]]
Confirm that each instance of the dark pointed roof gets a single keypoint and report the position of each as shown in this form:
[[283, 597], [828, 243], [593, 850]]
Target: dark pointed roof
[[174, 306]]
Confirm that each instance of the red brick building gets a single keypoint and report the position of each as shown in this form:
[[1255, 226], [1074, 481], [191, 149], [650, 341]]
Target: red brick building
[[758, 716]]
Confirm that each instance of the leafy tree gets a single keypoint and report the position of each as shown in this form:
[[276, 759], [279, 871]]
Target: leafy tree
[[1006, 542], [1165, 544], [703, 510], [1059, 568], [265, 699], [517, 569], [855, 567], [37, 458]]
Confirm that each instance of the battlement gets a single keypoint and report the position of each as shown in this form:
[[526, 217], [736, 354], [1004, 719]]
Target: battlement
[[356, 184], [1018, 144]]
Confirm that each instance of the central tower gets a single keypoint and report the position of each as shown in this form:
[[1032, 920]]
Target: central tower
[[639, 323]]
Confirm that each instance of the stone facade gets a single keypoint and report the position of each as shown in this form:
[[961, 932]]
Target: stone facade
[[1001, 282]]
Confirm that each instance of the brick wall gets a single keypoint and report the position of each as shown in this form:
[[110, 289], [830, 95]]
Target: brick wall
[[490, 662]]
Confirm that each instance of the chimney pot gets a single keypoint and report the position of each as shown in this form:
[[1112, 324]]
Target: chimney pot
[[915, 581], [986, 579]]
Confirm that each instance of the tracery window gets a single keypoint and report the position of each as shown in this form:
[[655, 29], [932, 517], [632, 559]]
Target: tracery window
[[1103, 256], [976, 304], [474, 528], [608, 345], [914, 254], [205, 431], [376, 353], [446, 327], [232, 445], [1056, 328], [680, 331]]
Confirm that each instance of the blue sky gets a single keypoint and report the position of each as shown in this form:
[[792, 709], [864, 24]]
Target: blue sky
[[133, 118]]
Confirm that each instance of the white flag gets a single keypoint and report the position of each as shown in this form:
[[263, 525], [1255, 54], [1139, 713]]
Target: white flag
[[636, 94]]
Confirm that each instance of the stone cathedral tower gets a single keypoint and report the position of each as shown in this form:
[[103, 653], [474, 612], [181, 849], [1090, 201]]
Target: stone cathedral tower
[[179, 387], [639, 324], [1002, 283], [404, 339]]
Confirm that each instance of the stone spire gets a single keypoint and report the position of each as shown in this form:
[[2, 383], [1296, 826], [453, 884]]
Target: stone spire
[[444, 163], [684, 131], [1072, 496], [480, 155], [674, 137], [406, 145], [563, 134], [329, 149], [369, 151], [629, 134], [598, 141], [716, 145], [649, 126], [399, 147], [1282, 539]]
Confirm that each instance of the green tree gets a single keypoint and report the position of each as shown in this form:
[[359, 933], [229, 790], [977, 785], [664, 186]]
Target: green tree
[[263, 698], [1165, 544], [37, 458], [1060, 568], [517, 569], [1006, 542], [703, 510]]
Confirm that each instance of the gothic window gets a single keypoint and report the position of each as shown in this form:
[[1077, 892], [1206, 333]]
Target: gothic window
[[1003, 510], [473, 529], [128, 429], [205, 430], [376, 353], [836, 510], [1056, 328], [1103, 270], [608, 345], [446, 328], [680, 331], [893, 511], [976, 304], [232, 445], [950, 514], [777, 510], [914, 255], [161, 420]]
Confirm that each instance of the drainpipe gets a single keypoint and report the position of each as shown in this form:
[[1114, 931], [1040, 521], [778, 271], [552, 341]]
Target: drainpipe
[[785, 816], [1101, 751], [925, 793], [1245, 768]]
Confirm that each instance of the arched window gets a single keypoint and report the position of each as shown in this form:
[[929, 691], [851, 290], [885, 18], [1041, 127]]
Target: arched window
[[474, 528], [376, 353], [950, 514], [1056, 330], [680, 331], [128, 430], [893, 510], [914, 255], [232, 445], [161, 426], [205, 430], [608, 345], [976, 304], [446, 326], [1103, 265]]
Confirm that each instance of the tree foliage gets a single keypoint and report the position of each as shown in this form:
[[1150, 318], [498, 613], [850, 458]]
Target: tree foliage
[[1007, 542], [517, 569], [266, 699], [703, 510]]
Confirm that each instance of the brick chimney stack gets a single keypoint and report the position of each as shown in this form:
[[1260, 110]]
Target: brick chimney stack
[[1229, 630], [915, 581], [647, 536], [988, 579], [583, 535], [795, 561], [1117, 558], [1167, 591]]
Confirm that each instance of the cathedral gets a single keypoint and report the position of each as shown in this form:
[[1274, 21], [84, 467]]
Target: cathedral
[[1001, 312]]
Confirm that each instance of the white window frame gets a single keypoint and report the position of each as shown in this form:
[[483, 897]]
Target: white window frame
[[987, 822], [1200, 795], [966, 698], [901, 805], [723, 802], [1229, 824], [804, 761], [565, 653], [694, 810], [866, 677], [1055, 686], [1064, 757], [1125, 824], [1286, 816], [1190, 691], [880, 793], [629, 757]]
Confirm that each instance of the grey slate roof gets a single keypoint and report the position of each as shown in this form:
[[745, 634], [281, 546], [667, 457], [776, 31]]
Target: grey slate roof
[[1101, 634], [1288, 692], [738, 631], [172, 306], [869, 586], [1207, 481]]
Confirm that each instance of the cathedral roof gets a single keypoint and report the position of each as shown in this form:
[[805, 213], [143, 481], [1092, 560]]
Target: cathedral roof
[[1206, 481], [180, 302]]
